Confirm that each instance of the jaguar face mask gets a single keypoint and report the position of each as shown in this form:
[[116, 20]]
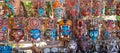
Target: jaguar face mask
[[65, 30]]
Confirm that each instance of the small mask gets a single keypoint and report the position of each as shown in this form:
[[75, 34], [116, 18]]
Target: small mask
[[17, 34], [17, 23], [51, 33], [72, 46], [58, 12], [54, 50], [65, 30], [40, 11], [85, 7], [93, 34], [110, 7], [106, 35], [47, 50], [35, 33]]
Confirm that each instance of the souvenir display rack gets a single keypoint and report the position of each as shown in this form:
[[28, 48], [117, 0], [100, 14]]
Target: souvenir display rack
[[59, 26]]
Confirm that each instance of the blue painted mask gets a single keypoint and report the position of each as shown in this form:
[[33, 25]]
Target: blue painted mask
[[58, 12], [65, 30], [5, 49], [93, 34], [51, 33], [35, 33], [40, 11], [106, 35]]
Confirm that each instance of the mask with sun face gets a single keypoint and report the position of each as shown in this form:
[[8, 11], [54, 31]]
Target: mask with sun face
[[17, 34], [34, 27], [34, 23], [35, 33], [51, 33]]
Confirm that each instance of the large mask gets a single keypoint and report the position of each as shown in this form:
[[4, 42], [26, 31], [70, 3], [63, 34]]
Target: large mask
[[35, 33], [5, 49], [93, 34], [51, 34], [17, 34]]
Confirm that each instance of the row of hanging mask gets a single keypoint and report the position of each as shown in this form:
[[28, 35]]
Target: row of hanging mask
[[55, 50], [58, 8], [98, 46]]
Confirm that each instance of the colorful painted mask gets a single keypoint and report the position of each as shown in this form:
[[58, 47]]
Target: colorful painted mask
[[93, 34], [106, 35], [80, 29], [58, 12], [72, 46], [40, 11], [114, 46], [5, 49], [17, 23], [3, 28], [51, 33], [85, 7], [34, 23], [35, 33], [97, 7], [47, 50], [110, 7], [72, 7], [17, 34], [54, 50], [65, 30]]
